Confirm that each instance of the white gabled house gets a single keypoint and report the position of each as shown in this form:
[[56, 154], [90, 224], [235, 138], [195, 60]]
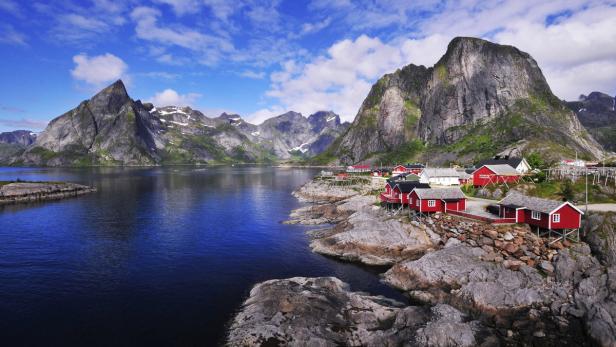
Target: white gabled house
[[440, 176]]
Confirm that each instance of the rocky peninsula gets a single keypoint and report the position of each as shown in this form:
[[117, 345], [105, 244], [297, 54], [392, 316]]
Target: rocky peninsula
[[22, 192], [470, 283]]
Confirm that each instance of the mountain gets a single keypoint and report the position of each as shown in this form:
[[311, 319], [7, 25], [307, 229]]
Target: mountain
[[13, 143], [479, 99], [597, 112], [113, 129], [18, 137]]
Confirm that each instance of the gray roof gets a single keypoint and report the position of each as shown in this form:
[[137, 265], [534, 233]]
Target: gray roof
[[463, 174], [503, 170], [511, 161], [516, 199], [440, 193], [440, 172]]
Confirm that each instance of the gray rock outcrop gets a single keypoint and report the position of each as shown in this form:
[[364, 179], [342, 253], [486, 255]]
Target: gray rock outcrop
[[323, 312]]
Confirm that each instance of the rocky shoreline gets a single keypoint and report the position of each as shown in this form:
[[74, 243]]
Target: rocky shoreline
[[510, 286], [23, 192]]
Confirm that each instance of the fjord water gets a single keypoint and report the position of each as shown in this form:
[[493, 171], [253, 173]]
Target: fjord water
[[158, 256]]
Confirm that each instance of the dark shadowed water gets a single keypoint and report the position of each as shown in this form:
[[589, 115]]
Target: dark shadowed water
[[158, 256]]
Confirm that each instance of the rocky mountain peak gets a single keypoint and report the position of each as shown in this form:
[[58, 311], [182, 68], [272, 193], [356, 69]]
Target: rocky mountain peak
[[18, 137], [597, 112], [477, 91], [110, 99], [321, 119]]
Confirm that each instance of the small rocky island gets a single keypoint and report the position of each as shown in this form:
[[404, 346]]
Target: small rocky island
[[22, 192], [469, 283]]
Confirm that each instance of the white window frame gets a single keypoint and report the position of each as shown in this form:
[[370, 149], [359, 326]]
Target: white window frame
[[535, 215], [556, 218], [431, 203]]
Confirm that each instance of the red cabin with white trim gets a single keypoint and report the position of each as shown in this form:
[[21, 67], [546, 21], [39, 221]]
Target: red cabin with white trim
[[495, 174], [437, 200], [542, 213]]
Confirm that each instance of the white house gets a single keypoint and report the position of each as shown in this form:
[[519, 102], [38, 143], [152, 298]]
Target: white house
[[440, 176]]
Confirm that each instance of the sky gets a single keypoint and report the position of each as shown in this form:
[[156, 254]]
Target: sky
[[262, 58]]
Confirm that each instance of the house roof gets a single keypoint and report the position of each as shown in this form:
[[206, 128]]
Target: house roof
[[464, 175], [408, 186], [440, 194], [515, 199], [502, 170], [440, 172], [412, 166], [511, 161]]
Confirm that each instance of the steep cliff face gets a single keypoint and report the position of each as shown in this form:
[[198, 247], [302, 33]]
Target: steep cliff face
[[388, 117], [478, 99], [597, 112]]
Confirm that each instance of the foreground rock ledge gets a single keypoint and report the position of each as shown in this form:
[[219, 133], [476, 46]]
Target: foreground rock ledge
[[322, 311], [20, 192]]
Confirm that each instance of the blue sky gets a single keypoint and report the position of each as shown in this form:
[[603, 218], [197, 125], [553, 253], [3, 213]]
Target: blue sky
[[262, 58]]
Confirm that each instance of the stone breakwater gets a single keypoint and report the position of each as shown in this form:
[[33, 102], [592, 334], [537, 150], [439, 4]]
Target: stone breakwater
[[511, 287], [21, 192]]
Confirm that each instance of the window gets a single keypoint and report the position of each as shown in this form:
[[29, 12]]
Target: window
[[411, 200], [556, 218], [536, 215], [431, 203]]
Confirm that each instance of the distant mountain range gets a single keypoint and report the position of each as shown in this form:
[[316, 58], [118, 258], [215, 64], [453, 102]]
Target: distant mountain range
[[478, 100], [113, 129], [597, 112]]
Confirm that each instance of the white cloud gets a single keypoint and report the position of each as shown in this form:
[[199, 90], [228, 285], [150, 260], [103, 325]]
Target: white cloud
[[9, 35], [11, 7], [211, 47], [98, 70], [170, 97], [341, 79], [253, 74], [264, 114], [181, 7], [577, 55], [309, 28], [160, 75], [77, 21]]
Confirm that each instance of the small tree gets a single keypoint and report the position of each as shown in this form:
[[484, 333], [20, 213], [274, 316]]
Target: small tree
[[567, 191], [535, 161]]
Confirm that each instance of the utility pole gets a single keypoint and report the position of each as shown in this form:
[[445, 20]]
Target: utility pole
[[586, 179]]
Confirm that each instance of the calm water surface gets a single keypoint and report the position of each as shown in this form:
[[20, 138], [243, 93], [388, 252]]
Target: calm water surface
[[158, 256]]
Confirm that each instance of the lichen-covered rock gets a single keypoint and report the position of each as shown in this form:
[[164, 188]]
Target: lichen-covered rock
[[373, 239], [600, 234], [323, 312], [458, 274]]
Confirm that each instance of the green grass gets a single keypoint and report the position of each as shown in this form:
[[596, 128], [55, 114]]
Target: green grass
[[408, 152], [442, 74], [44, 153], [556, 190]]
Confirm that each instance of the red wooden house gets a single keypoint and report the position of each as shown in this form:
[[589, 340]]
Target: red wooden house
[[358, 168], [415, 169], [397, 191], [541, 213], [437, 200], [495, 174]]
